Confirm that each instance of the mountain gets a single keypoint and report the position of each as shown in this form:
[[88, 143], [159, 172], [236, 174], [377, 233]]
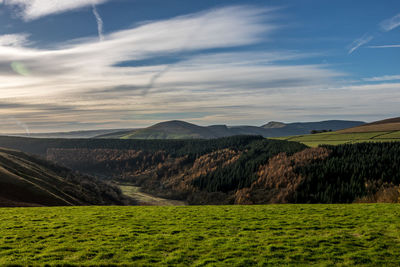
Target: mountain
[[29, 181], [174, 130], [183, 130], [392, 124], [274, 124]]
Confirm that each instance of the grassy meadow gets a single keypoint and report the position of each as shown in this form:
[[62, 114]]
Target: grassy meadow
[[343, 235], [338, 138]]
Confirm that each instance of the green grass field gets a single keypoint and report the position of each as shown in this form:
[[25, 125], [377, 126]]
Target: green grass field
[[335, 138], [343, 235]]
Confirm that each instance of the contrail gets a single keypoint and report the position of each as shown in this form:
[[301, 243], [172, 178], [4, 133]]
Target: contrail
[[24, 126], [155, 77], [168, 67], [99, 22], [17, 122]]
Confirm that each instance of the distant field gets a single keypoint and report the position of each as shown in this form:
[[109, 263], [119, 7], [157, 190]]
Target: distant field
[[337, 138], [345, 235]]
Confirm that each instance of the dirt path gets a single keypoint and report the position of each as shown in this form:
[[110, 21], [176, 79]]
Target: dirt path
[[145, 199]]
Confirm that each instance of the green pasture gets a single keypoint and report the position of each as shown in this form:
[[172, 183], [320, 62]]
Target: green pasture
[[335, 138], [342, 235]]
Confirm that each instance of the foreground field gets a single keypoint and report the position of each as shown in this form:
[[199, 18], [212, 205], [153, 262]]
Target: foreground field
[[207, 235], [337, 138]]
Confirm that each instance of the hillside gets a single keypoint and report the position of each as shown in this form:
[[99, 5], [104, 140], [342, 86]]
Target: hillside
[[28, 181], [380, 131], [298, 128], [73, 134], [173, 130], [184, 130], [392, 124], [232, 170]]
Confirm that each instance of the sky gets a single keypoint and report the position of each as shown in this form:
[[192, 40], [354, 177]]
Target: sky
[[100, 64]]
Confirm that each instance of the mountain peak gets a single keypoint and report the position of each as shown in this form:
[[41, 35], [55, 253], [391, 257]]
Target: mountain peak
[[274, 124]]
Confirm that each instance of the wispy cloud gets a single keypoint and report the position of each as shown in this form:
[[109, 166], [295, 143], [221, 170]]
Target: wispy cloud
[[97, 92], [15, 40], [34, 9], [88, 76], [390, 24], [383, 78]]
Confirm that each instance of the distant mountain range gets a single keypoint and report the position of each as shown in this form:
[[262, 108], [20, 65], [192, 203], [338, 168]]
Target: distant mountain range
[[183, 130], [176, 129]]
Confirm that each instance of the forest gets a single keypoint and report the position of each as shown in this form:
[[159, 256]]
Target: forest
[[232, 170]]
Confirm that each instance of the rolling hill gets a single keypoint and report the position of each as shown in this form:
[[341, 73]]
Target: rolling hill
[[392, 124], [28, 181], [380, 131], [183, 130]]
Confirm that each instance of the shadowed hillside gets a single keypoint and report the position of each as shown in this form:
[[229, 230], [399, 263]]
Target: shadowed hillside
[[28, 181], [73, 134]]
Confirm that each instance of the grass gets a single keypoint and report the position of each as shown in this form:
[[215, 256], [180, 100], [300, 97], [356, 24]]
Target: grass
[[391, 135], [343, 235], [337, 138]]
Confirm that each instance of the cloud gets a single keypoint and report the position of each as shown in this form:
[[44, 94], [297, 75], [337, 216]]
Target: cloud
[[34, 9], [390, 24], [383, 78], [360, 42], [14, 39], [90, 63], [90, 84]]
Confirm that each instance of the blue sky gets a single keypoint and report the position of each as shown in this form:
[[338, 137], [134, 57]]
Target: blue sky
[[87, 64]]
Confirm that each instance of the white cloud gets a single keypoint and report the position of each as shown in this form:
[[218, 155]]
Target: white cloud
[[81, 86], [34, 9], [391, 24], [14, 39], [383, 78]]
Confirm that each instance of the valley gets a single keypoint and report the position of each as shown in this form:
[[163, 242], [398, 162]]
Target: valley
[[143, 199], [210, 133]]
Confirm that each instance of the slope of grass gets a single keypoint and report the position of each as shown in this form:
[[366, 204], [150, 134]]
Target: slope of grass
[[337, 138], [391, 135], [344, 235], [30, 181]]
